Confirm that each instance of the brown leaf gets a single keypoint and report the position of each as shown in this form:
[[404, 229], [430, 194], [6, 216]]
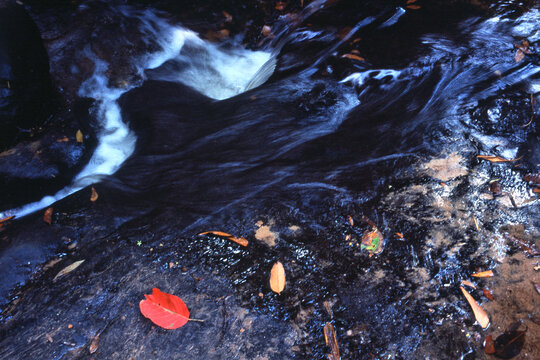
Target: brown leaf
[[351, 221], [94, 196], [520, 55], [79, 136], [6, 219], [399, 235], [479, 313], [509, 344], [266, 30], [228, 17], [497, 159], [522, 49], [488, 294], [47, 216], [68, 269], [372, 241], [411, 2], [64, 139], [537, 287], [280, 5], [483, 274], [413, 7], [238, 240], [94, 344], [489, 346], [353, 57], [331, 341], [468, 283], [528, 248], [277, 278]]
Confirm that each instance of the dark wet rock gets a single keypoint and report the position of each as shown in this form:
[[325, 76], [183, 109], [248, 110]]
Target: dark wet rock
[[26, 92], [33, 169]]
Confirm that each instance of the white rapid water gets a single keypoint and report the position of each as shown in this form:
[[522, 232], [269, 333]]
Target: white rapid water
[[218, 73]]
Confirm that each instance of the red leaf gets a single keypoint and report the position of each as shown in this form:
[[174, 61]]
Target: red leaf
[[165, 310]]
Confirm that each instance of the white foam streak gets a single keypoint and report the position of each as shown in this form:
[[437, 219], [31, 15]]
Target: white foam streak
[[212, 71]]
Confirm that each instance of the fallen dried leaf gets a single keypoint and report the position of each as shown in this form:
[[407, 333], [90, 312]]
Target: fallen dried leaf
[[6, 219], [277, 278], [351, 221], [411, 2], [537, 287], [497, 159], [399, 235], [64, 139], [489, 345], [79, 136], [468, 283], [488, 294], [479, 313], [94, 344], [165, 310], [331, 341], [266, 30], [70, 326], [353, 57], [68, 269], [280, 5], [483, 274], [509, 344], [528, 248], [228, 17], [239, 241], [413, 7], [94, 196], [522, 49], [47, 216], [372, 241]]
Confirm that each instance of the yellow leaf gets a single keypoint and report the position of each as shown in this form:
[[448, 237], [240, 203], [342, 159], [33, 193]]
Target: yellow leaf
[[68, 269], [331, 341], [79, 136], [94, 196], [238, 240], [483, 274], [468, 283], [277, 278], [497, 159], [479, 313]]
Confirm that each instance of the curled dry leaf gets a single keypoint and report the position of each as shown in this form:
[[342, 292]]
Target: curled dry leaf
[[94, 196], [165, 310], [6, 219], [47, 216], [79, 136], [372, 241], [277, 278], [280, 5], [483, 274], [479, 313], [537, 287], [468, 283], [489, 345], [331, 341], [68, 269], [238, 240], [353, 57], [497, 159], [94, 344], [266, 30], [488, 294]]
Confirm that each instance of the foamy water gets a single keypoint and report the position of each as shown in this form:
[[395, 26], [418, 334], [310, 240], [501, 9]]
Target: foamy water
[[215, 72]]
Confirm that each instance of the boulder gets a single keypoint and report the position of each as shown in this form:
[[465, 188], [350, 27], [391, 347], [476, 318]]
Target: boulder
[[26, 91]]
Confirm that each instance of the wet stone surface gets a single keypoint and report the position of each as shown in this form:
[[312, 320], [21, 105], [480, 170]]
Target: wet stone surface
[[302, 166]]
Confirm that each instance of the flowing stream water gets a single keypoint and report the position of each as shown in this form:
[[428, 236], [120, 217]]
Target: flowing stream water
[[334, 118]]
